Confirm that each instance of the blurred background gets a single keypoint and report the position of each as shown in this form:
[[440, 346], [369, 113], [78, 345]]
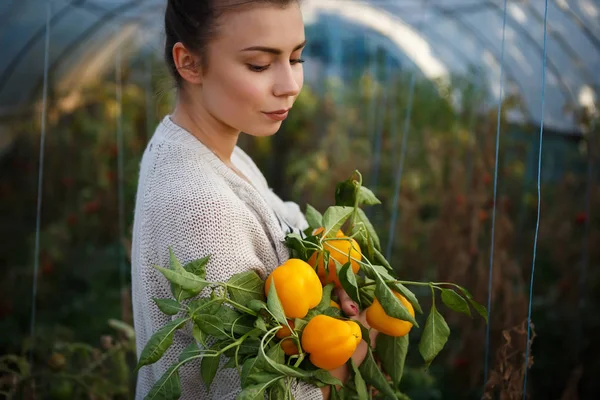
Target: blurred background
[[392, 86]]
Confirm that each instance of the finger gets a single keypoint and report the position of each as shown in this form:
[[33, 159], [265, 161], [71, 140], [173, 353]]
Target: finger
[[349, 307]]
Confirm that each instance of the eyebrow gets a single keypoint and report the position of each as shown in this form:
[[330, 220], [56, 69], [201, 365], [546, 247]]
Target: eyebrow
[[271, 49]]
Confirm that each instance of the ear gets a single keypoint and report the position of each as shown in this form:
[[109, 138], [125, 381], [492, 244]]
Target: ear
[[188, 64]]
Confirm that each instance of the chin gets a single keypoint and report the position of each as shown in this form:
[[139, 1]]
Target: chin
[[263, 131]]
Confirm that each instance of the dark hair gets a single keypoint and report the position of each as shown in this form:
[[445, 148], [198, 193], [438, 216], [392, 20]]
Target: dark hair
[[194, 23]]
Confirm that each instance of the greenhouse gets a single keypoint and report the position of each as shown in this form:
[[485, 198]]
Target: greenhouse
[[473, 124]]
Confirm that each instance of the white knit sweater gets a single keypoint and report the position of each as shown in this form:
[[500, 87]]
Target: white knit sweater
[[189, 199]]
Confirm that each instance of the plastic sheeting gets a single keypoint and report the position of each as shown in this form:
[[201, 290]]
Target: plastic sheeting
[[439, 37]]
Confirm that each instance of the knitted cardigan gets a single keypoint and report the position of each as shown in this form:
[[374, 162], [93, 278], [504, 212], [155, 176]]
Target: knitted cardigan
[[188, 199]]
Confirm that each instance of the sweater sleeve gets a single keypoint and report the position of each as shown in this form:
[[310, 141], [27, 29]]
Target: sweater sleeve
[[195, 226]]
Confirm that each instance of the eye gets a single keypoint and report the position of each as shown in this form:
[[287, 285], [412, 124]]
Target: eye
[[296, 61], [257, 68]]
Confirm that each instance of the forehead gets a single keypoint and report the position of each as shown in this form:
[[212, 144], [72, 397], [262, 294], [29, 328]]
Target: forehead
[[262, 25]]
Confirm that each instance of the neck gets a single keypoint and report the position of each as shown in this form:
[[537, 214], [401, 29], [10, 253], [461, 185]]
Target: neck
[[191, 115]]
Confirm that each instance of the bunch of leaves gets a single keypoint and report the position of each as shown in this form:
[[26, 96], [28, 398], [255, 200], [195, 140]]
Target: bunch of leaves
[[233, 321], [383, 368]]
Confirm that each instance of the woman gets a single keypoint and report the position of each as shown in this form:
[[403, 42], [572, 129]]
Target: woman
[[237, 65]]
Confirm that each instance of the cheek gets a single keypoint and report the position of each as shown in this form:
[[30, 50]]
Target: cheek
[[251, 90], [240, 91]]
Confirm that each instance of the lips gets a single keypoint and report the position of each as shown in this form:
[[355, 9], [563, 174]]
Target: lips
[[278, 115]]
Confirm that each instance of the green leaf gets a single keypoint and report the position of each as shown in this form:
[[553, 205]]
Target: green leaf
[[390, 303], [478, 307], [250, 366], [371, 272], [364, 332], [208, 369], [254, 373], [345, 193], [276, 354], [334, 218], [313, 217], [199, 336], [435, 335], [333, 312], [299, 324], [294, 242], [410, 296], [177, 290], [240, 326], [325, 376], [256, 392], [168, 387], [191, 352], [366, 196], [380, 258], [246, 286], [282, 369], [205, 305], [274, 304], [229, 317], [348, 281], [230, 363], [168, 306], [159, 342], [373, 375], [335, 394], [392, 353], [455, 302], [211, 325], [362, 217], [186, 280], [277, 391], [198, 267], [174, 262], [359, 382], [257, 305], [370, 248], [248, 347], [326, 299], [260, 324], [367, 293]]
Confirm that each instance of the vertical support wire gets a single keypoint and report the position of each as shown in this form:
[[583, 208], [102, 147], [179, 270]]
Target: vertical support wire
[[494, 207], [120, 148], [36, 259], [539, 193], [400, 170]]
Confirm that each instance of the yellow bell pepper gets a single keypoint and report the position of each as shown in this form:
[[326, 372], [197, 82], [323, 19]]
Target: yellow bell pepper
[[330, 341], [298, 287], [338, 250], [380, 321]]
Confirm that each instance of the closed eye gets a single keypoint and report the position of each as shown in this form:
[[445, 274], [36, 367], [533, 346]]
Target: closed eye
[[257, 68]]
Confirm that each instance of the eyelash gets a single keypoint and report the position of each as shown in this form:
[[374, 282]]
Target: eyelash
[[260, 68]]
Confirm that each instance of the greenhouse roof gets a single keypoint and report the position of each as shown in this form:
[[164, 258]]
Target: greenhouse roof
[[440, 37]]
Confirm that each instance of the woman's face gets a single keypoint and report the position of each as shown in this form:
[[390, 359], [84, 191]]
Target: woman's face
[[254, 72]]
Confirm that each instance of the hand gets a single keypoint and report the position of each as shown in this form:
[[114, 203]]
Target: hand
[[350, 308]]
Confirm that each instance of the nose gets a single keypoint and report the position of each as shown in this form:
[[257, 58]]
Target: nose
[[288, 82]]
